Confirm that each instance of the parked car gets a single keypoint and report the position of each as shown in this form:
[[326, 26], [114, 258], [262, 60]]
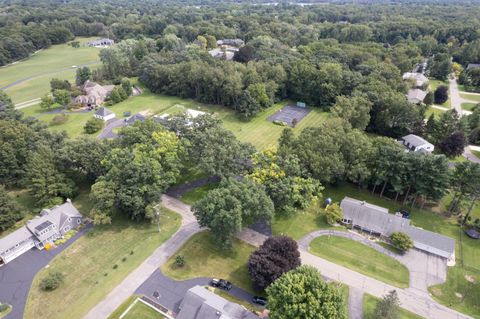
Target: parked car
[[221, 283], [259, 300]]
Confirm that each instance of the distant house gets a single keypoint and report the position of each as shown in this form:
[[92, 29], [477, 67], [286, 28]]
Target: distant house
[[101, 43], [52, 224], [222, 54], [415, 143], [420, 79], [104, 114], [378, 221], [232, 42], [94, 94], [472, 66], [200, 303], [416, 96]]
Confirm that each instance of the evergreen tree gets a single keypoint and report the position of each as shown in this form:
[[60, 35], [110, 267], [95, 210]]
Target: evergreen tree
[[388, 307]]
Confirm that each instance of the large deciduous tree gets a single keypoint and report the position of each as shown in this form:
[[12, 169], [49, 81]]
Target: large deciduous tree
[[388, 307], [302, 293], [354, 109], [10, 212]]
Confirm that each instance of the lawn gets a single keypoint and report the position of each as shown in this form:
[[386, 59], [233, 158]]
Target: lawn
[[370, 302], [138, 311], [468, 106], [196, 194], [361, 258], [432, 110], [6, 311], [95, 264], [205, 258], [56, 61], [471, 97], [434, 84], [476, 153]]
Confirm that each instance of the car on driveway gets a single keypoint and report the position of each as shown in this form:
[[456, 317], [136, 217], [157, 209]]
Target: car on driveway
[[259, 300], [221, 283]]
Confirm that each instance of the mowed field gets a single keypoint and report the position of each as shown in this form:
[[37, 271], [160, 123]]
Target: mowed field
[[32, 75]]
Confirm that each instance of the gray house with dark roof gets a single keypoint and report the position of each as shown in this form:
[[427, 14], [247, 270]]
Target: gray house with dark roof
[[472, 66], [415, 143], [51, 225], [378, 221], [200, 303]]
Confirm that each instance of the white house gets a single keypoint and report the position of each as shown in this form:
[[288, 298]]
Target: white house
[[414, 143], [420, 79], [104, 114]]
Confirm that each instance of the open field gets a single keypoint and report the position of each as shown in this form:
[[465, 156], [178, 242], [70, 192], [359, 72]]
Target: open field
[[361, 258], [471, 97], [370, 302], [468, 106], [205, 258], [95, 264], [37, 70]]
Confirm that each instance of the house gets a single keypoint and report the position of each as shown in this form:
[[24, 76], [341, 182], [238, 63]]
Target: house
[[104, 114], [94, 94], [419, 78], [231, 42], [415, 143], [201, 303], [39, 232], [378, 221], [416, 96], [101, 43], [222, 54], [472, 66]]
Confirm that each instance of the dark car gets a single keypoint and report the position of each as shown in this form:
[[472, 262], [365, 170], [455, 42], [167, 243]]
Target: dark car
[[221, 283], [259, 300]]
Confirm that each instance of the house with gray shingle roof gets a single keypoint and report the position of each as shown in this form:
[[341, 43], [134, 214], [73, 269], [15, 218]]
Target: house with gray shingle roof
[[378, 221], [472, 66], [416, 96], [415, 143], [104, 114], [418, 78], [51, 225], [201, 303]]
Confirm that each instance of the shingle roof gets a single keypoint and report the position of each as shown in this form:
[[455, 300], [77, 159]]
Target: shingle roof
[[377, 219], [419, 78], [14, 238], [103, 111], [471, 66], [415, 140], [416, 96], [136, 117]]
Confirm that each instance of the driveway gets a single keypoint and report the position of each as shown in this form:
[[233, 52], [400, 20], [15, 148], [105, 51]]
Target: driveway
[[16, 277], [109, 127], [169, 293]]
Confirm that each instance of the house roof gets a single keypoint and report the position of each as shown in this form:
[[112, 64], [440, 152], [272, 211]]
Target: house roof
[[136, 117], [420, 79], [103, 111], [416, 96], [378, 219], [14, 238], [200, 303], [471, 66], [415, 140]]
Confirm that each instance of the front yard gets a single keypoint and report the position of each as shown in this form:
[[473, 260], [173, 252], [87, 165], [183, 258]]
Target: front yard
[[95, 264], [370, 302]]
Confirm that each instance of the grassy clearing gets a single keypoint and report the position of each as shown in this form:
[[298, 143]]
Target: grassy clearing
[[476, 153], [205, 258], [344, 291], [471, 97], [56, 61], [139, 311], [361, 258], [434, 84], [432, 110], [95, 264], [370, 302], [468, 106], [196, 194]]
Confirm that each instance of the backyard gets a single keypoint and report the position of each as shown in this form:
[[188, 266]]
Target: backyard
[[96, 263], [361, 258], [37, 70]]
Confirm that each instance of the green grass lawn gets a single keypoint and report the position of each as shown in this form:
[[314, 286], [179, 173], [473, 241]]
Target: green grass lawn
[[434, 84], [468, 106], [361, 258], [138, 311], [432, 110], [95, 264], [370, 302], [476, 153], [5, 312], [471, 97], [195, 194], [57, 61], [205, 258]]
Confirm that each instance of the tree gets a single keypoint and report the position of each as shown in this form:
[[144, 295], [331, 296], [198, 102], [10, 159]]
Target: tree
[[247, 105], [276, 256], [83, 75], [453, 145], [441, 66], [211, 42], [388, 307], [201, 41], [333, 213], [115, 96], [61, 97], [103, 196], [10, 212], [93, 125], [244, 54], [355, 110], [52, 281], [46, 101], [57, 84], [464, 183], [231, 206], [302, 293], [127, 86], [428, 100], [441, 94], [401, 241]]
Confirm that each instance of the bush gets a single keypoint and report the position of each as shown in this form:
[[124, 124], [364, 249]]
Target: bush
[[115, 266], [93, 125], [401, 241], [441, 94], [180, 261], [61, 118], [52, 281], [3, 307], [281, 123]]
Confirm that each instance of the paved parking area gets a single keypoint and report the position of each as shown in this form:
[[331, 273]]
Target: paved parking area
[[288, 113]]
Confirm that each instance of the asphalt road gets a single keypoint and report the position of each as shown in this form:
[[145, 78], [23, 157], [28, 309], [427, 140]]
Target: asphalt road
[[16, 277]]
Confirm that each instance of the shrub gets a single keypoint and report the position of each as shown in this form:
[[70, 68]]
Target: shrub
[[333, 213], [401, 241], [52, 281], [93, 125], [441, 94], [3, 307], [180, 261], [61, 118], [124, 259], [115, 266], [281, 123]]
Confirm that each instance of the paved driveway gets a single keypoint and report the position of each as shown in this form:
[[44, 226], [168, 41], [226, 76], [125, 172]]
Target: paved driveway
[[16, 277], [109, 127]]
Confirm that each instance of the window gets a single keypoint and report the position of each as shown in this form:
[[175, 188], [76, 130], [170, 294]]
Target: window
[[78, 221]]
